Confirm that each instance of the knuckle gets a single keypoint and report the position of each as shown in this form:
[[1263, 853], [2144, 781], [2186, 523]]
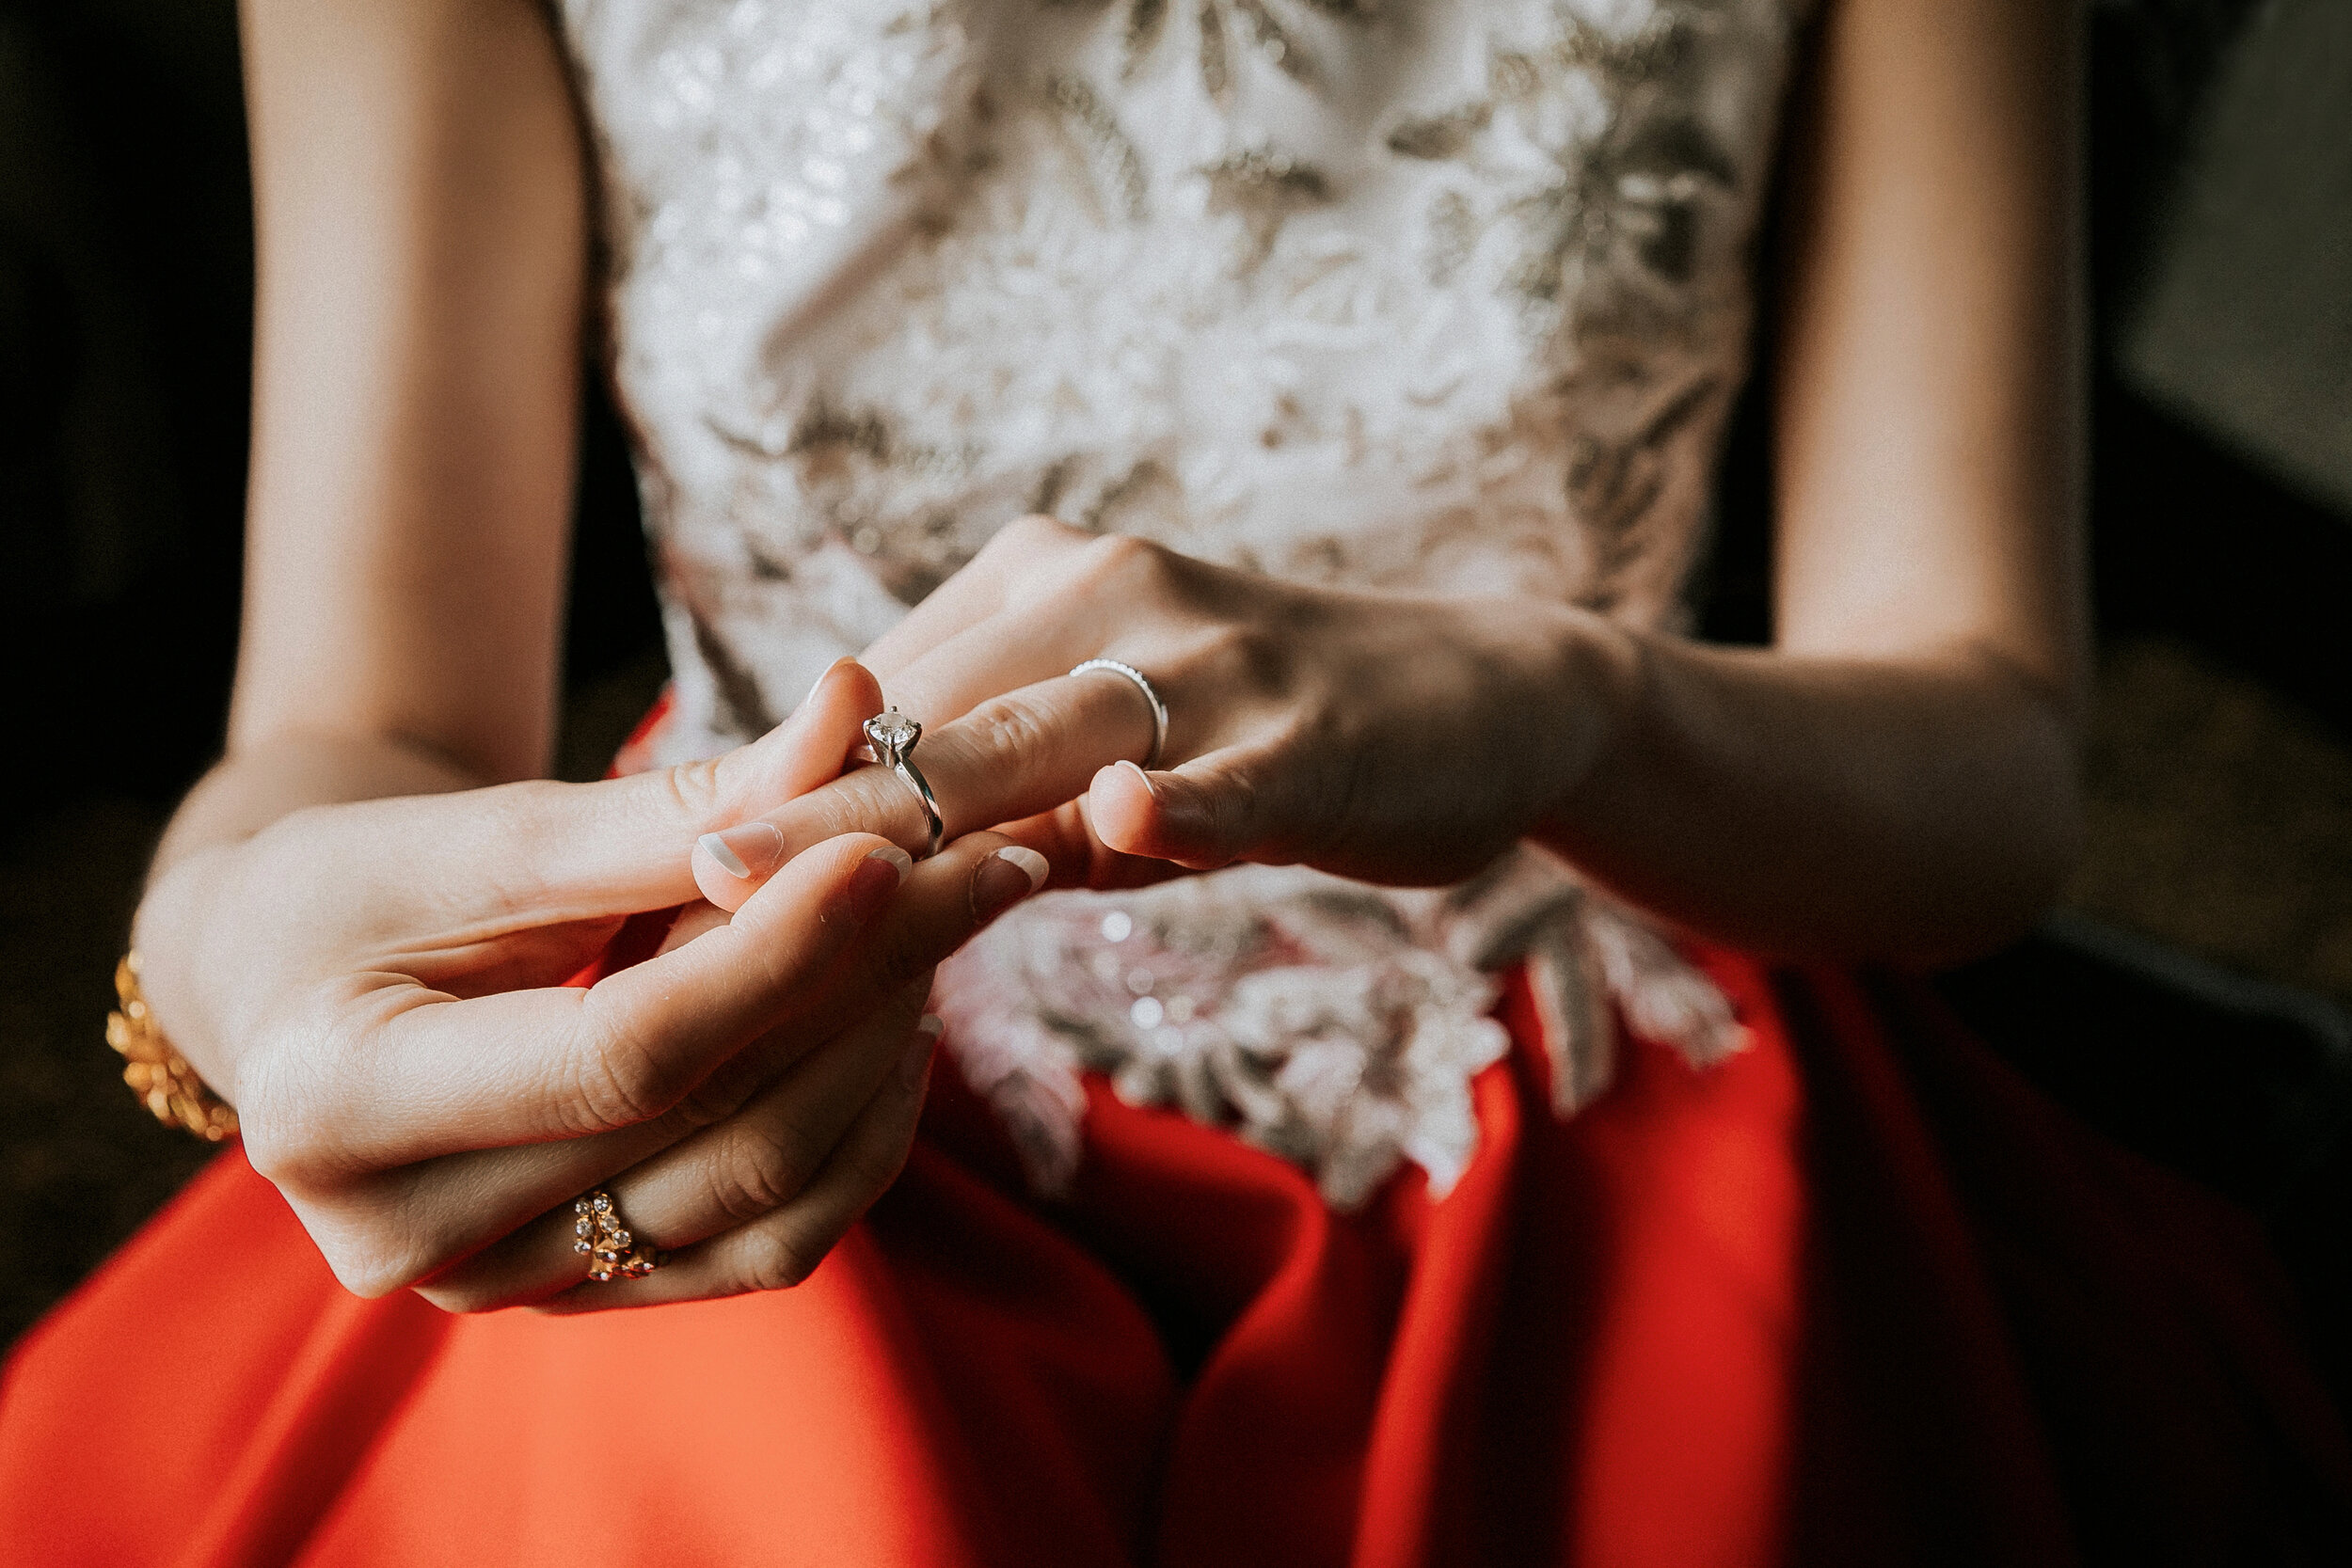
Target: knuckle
[[281, 1119], [1118, 558], [860, 803], [694, 789], [516, 880], [873, 1169], [370, 1259], [1240, 658], [1011, 733], [1035, 531], [727, 1088], [763, 1167], [777, 1257], [462, 1299], [718, 1096], [619, 1081]]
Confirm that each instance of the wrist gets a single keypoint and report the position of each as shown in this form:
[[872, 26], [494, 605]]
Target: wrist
[[1597, 673]]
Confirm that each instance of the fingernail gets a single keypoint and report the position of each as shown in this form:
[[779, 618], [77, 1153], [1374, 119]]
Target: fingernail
[[750, 850], [824, 678], [914, 1062], [870, 884], [1141, 777], [1005, 877]]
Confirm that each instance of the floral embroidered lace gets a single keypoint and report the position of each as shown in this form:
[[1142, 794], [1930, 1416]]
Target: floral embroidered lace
[[1429, 294]]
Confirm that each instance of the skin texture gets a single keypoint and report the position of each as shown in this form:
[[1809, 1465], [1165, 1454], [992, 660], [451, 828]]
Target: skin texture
[[358, 919]]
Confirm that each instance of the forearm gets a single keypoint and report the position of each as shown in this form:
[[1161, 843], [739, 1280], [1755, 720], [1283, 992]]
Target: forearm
[[420, 224], [1921, 809]]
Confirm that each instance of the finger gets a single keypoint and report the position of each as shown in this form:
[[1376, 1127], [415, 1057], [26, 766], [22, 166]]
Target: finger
[[783, 1247], [763, 1156], [752, 1162], [1003, 652], [1232, 804], [421, 1074], [1024, 549], [625, 841], [1011, 757], [541, 955], [1065, 836], [537, 854], [454, 1206]]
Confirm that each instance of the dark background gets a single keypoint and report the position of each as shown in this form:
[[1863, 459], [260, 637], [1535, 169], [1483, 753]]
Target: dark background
[[2220, 858]]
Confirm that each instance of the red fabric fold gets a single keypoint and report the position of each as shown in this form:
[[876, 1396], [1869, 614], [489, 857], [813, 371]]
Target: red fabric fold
[[1855, 1295]]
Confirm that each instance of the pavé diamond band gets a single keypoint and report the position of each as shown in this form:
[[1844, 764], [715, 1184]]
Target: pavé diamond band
[[1142, 683]]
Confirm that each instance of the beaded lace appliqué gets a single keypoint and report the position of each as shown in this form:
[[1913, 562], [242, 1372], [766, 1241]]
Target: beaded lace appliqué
[[1334, 1025]]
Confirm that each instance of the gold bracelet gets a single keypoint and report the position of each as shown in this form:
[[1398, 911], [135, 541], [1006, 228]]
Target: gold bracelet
[[158, 1074]]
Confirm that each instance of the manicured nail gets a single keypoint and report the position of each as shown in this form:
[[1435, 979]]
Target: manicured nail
[[914, 1062], [750, 850], [1006, 877], [836, 664], [1141, 777], [870, 884]]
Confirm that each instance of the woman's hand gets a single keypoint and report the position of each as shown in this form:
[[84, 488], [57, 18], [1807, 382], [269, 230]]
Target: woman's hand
[[1394, 739], [377, 988]]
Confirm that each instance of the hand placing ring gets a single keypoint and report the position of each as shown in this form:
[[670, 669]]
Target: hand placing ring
[[892, 735]]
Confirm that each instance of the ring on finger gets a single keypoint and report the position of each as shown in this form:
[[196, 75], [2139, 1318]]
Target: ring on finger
[[892, 735], [1150, 694], [613, 1251]]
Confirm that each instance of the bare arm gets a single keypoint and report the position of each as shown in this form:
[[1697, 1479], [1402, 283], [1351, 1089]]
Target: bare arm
[[377, 982], [1898, 775], [418, 197]]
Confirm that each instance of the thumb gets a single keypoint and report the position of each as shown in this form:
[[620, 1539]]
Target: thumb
[[623, 845], [1201, 815]]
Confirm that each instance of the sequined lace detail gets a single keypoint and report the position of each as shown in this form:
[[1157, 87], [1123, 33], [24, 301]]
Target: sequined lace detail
[[1330, 1024], [1426, 294]]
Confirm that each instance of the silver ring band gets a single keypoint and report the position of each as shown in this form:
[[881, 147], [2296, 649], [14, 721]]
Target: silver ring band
[[892, 735], [1142, 683]]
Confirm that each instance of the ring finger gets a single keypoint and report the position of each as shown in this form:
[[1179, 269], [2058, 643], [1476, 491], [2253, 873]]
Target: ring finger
[[736, 1170], [783, 1246], [1011, 757]]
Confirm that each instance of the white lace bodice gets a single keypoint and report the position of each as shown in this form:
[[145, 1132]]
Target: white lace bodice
[[1438, 294]]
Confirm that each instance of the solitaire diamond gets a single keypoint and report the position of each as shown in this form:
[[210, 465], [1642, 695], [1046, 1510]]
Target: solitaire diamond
[[892, 735]]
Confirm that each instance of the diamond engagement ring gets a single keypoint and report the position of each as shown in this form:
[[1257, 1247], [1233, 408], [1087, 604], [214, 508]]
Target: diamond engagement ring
[[1142, 683], [892, 735]]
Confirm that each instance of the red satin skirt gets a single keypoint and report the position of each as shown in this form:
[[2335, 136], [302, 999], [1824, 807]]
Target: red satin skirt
[[1857, 1295]]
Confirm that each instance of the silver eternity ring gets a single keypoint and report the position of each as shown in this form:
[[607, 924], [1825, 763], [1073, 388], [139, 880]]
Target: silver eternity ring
[[1143, 684], [892, 735]]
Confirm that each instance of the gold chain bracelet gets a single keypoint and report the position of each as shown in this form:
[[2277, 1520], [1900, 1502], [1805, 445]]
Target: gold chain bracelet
[[158, 1074]]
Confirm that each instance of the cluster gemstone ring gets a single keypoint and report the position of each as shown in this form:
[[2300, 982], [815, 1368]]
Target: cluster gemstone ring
[[892, 735], [613, 1251]]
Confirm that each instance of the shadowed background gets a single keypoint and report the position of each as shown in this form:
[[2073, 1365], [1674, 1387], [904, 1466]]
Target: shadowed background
[[2220, 762]]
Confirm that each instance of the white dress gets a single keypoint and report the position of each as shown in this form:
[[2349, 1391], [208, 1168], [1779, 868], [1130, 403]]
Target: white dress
[[1419, 294]]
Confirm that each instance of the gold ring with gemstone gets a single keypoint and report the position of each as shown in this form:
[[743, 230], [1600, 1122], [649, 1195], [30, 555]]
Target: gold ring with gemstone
[[613, 1251]]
